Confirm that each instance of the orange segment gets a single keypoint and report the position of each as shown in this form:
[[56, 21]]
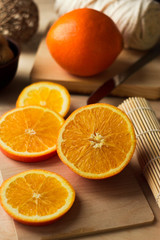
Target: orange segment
[[46, 94], [36, 197], [29, 133], [96, 141]]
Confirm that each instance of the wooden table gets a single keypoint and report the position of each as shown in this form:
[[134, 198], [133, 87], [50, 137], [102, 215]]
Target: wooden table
[[8, 98], [7, 229]]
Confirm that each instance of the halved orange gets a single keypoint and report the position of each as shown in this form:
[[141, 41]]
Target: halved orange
[[36, 197], [45, 94], [97, 141], [30, 133]]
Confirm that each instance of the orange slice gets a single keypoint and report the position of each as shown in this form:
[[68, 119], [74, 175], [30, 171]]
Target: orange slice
[[36, 197], [45, 94], [29, 134], [96, 141]]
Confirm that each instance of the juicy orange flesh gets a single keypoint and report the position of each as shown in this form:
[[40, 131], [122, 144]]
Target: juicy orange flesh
[[30, 130], [96, 140], [36, 194], [45, 97]]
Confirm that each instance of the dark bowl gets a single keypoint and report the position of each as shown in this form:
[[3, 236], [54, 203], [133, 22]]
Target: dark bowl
[[8, 70]]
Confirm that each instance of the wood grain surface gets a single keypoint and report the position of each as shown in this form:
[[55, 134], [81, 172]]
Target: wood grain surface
[[100, 205], [144, 232], [144, 83], [7, 226]]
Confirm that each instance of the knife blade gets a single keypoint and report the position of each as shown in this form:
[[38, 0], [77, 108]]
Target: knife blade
[[115, 81]]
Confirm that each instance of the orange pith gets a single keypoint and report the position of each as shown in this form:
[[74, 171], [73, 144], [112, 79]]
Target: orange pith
[[96, 141], [84, 41], [46, 94], [36, 197], [30, 133]]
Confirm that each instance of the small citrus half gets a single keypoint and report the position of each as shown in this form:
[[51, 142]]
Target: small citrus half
[[36, 197], [45, 94], [96, 141], [30, 133]]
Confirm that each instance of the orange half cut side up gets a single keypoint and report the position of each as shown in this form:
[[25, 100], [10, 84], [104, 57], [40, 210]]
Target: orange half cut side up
[[97, 141], [29, 134], [45, 94], [36, 197]]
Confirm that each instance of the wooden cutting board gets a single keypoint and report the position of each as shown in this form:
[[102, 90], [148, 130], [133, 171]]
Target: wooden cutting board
[[100, 205], [7, 226], [144, 83]]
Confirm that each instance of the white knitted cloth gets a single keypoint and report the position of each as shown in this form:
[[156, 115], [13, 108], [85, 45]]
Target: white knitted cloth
[[137, 20]]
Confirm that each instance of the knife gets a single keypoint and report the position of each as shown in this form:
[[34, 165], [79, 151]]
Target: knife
[[115, 81]]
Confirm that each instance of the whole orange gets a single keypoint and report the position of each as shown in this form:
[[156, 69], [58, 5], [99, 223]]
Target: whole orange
[[84, 42]]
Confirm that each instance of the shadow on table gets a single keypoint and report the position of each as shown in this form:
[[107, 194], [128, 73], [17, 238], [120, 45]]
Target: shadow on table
[[9, 94]]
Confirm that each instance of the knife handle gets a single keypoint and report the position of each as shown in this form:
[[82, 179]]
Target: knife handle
[[112, 83], [150, 55]]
